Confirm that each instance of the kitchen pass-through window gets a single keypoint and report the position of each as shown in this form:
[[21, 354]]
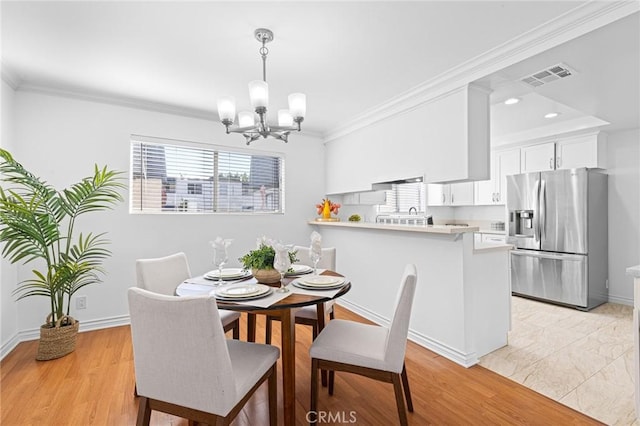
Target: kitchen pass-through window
[[170, 176], [403, 196]]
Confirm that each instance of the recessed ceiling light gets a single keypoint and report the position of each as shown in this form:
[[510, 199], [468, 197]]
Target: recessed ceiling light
[[551, 115], [511, 101]]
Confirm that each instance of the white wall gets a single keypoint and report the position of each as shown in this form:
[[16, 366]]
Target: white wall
[[8, 272], [61, 138], [623, 168]]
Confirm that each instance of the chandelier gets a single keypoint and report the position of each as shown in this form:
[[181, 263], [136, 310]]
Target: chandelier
[[259, 96]]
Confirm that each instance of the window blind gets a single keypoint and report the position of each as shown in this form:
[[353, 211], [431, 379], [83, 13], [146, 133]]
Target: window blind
[[175, 176], [401, 197]]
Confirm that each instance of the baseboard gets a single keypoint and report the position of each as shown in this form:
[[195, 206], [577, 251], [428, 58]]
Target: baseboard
[[9, 345], [89, 325], [452, 354], [620, 300]]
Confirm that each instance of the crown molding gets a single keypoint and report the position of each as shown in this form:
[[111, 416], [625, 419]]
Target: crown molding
[[104, 98], [124, 101], [9, 76], [572, 24]]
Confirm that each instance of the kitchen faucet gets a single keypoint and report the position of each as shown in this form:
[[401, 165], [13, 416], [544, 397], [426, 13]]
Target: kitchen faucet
[[414, 210]]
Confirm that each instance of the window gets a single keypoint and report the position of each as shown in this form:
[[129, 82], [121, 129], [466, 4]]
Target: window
[[401, 197], [176, 176]]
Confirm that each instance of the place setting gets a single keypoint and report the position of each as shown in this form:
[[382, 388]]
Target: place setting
[[298, 269], [318, 285]]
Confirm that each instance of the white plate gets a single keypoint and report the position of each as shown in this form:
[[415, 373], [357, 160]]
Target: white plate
[[243, 299], [227, 274], [300, 269], [243, 291], [311, 287], [321, 280]]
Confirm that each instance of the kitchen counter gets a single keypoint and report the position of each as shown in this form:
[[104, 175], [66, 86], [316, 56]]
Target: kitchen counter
[[463, 299], [429, 229]]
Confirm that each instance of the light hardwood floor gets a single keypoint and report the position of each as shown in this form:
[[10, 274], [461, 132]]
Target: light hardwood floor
[[94, 385]]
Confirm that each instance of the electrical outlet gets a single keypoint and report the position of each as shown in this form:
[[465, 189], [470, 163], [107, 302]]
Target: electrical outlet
[[81, 302]]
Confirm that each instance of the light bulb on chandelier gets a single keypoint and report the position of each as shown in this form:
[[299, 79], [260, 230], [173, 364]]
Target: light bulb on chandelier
[[288, 120]]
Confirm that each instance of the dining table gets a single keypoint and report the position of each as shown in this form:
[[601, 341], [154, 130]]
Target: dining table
[[284, 309]]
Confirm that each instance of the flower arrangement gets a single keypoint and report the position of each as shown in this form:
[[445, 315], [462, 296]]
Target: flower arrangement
[[327, 207]]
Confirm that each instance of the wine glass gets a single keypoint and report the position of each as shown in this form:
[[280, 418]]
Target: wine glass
[[282, 263], [219, 260], [315, 254]]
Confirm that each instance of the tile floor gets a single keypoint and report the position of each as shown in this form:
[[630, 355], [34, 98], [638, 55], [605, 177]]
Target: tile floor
[[581, 359]]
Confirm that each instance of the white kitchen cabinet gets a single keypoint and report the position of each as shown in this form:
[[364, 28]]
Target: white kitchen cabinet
[[364, 198], [494, 191], [587, 150], [582, 151], [538, 158], [450, 194], [494, 238]]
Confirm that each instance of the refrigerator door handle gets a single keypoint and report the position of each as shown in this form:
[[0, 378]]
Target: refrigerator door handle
[[543, 209], [547, 255], [536, 210]]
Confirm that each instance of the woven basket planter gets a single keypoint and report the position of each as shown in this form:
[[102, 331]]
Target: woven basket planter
[[57, 340], [266, 276]]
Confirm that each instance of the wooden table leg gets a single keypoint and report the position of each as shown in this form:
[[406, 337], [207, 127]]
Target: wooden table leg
[[320, 315], [288, 366], [251, 327]]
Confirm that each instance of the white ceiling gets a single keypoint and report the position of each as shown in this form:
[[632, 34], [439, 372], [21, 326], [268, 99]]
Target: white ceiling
[[348, 57]]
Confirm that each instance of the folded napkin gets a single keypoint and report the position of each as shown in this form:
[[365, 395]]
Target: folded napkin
[[220, 243], [316, 242]]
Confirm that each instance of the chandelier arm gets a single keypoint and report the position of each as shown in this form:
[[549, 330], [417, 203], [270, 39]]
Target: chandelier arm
[[242, 130], [284, 128]]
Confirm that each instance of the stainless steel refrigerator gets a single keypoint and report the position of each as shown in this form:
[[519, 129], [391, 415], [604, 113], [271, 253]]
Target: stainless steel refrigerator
[[558, 225]]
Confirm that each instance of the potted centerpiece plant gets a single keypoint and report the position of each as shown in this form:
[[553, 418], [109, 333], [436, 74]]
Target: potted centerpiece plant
[[260, 262], [37, 224]]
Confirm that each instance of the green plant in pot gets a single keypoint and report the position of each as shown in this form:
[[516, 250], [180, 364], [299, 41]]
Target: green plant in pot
[[260, 262], [37, 224]]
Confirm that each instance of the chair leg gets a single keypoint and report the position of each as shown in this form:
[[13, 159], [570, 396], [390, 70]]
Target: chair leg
[[273, 397], [268, 328], [332, 376], [313, 419], [407, 391], [397, 389], [236, 330], [144, 412]]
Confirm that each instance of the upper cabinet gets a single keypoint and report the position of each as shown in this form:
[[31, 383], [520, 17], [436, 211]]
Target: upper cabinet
[[538, 158], [582, 151], [443, 138], [454, 194], [587, 150], [494, 191]]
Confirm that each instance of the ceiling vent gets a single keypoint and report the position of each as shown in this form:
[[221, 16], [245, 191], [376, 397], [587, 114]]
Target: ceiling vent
[[548, 75]]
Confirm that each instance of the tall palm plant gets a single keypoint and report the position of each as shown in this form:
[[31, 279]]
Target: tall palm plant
[[37, 224]]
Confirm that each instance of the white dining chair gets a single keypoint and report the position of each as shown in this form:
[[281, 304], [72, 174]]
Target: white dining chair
[[368, 350], [185, 366], [308, 315], [163, 274]]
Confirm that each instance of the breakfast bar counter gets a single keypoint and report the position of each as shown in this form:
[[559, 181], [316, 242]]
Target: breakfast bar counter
[[463, 297]]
